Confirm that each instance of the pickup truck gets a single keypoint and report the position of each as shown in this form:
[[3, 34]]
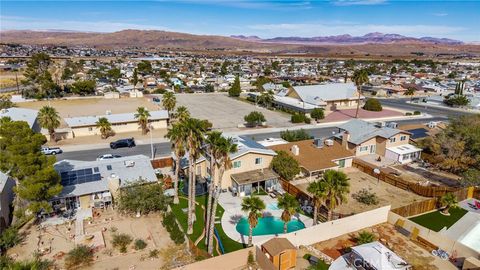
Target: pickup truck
[[51, 150]]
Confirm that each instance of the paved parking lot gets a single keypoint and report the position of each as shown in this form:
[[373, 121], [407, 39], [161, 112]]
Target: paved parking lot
[[225, 112]]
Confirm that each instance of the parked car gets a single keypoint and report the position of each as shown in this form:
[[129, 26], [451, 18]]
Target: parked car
[[130, 142], [51, 150], [108, 156]]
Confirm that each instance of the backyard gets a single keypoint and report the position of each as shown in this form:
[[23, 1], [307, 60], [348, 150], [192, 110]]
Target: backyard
[[437, 221], [197, 236]]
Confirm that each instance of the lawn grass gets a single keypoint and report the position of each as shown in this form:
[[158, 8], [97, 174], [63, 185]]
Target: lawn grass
[[321, 265], [436, 221], [228, 244]]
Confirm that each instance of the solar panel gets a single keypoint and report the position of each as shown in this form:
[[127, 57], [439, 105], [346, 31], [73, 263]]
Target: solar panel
[[418, 133], [80, 176]]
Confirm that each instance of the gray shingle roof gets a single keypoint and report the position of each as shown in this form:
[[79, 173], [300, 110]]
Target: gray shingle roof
[[321, 93], [112, 118], [361, 131], [20, 114], [142, 168]]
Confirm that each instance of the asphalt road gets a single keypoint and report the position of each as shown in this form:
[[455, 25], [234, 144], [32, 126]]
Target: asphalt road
[[434, 111]]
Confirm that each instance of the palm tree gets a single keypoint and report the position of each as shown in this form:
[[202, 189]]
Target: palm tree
[[181, 114], [105, 127], [176, 134], [449, 200], [168, 102], [317, 191], [290, 206], [360, 77], [410, 92], [142, 115], [48, 118], [194, 137], [335, 185], [226, 147], [252, 205]]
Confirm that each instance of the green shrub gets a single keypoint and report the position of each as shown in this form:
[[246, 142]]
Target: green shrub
[[140, 244], [364, 238], [366, 197], [9, 238], [408, 113], [317, 114], [295, 135], [121, 241], [298, 118], [285, 165], [81, 255], [373, 105], [170, 224], [307, 120], [254, 118], [456, 100], [153, 253], [250, 258], [159, 91], [417, 113]]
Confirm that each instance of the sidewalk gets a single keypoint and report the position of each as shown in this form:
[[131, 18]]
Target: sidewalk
[[443, 107]]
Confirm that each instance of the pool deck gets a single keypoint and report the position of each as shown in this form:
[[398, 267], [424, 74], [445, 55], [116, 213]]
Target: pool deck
[[233, 213]]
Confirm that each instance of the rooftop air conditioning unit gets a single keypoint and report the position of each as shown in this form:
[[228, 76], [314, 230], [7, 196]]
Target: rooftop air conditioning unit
[[380, 124], [129, 163], [108, 112], [329, 142], [318, 143]]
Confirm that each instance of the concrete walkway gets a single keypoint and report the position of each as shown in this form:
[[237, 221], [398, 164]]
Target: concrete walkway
[[233, 213]]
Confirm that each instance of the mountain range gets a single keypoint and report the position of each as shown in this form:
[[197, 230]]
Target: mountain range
[[375, 37]]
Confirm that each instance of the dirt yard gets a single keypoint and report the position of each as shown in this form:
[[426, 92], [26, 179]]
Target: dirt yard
[[415, 174], [92, 106], [55, 240], [416, 256], [386, 193]]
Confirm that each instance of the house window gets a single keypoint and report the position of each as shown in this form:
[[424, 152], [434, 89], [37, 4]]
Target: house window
[[237, 164], [403, 138], [393, 139], [90, 129], [363, 148], [258, 161], [109, 167]]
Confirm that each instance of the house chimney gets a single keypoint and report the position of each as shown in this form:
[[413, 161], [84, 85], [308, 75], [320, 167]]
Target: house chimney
[[345, 138], [295, 150]]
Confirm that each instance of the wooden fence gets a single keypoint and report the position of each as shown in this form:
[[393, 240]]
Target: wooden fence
[[385, 176], [417, 208], [162, 162]]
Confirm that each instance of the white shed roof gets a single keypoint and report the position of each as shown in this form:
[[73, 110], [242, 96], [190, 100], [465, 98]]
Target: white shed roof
[[112, 118]]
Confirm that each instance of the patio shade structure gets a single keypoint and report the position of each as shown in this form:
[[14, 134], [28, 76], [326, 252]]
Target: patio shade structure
[[244, 182]]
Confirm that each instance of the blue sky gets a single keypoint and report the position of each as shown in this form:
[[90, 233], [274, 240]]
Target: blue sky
[[450, 19]]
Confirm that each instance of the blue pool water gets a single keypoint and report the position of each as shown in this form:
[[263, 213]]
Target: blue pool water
[[273, 206], [269, 225]]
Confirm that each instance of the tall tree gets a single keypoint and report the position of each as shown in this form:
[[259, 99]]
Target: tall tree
[[176, 134], [235, 90], [254, 206], [134, 79], [410, 92], [169, 102], [105, 127], [48, 118], [226, 146], [317, 191], [181, 114], [142, 116], [266, 98], [360, 77], [37, 74], [290, 206], [194, 132], [336, 186]]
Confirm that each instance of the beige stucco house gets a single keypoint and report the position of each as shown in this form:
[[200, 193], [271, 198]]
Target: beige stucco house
[[250, 169], [365, 138]]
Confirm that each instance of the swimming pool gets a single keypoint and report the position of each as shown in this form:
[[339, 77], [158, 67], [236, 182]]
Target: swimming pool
[[273, 206], [269, 225]]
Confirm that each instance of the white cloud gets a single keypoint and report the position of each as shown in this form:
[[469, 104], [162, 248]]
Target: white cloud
[[328, 29], [14, 23], [357, 2]]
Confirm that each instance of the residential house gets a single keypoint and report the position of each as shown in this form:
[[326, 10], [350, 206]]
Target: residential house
[[89, 184], [250, 170], [365, 138], [21, 114], [316, 156], [6, 199], [122, 122]]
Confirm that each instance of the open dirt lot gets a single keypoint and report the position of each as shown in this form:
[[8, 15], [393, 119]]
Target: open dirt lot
[[92, 106], [416, 174], [225, 112], [59, 239], [386, 193]]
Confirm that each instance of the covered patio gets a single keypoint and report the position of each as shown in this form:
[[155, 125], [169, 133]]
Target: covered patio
[[245, 183]]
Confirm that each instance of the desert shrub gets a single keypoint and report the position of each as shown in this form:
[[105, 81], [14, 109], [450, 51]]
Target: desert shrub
[[408, 113], [140, 244], [307, 120], [295, 135], [317, 114], [81, 255], [9, 238], [298, 118], [254, 118], [250, 258], [372, 104], [366, 197], [417, 113], [171, 226], [153, 253], [364, 238], [121, 241]]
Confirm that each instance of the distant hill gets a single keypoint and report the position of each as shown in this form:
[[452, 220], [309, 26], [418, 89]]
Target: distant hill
[[376, 38]]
